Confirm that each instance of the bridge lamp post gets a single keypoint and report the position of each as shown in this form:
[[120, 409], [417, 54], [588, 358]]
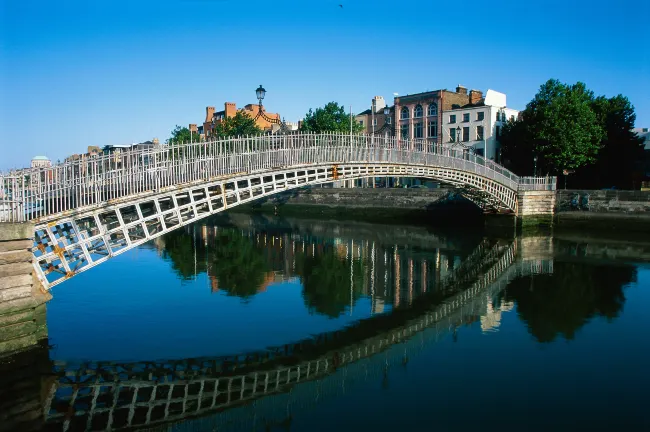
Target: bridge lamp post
[[260, 92], [458, 134], [535, 166]]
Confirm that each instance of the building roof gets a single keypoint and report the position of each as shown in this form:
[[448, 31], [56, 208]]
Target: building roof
[[41, 158], [379, 111]]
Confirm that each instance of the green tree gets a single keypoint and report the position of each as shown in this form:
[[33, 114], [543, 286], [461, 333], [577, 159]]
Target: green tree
[[559, 126], [331, 118], [240, 124], [621, 148], [183, 135]]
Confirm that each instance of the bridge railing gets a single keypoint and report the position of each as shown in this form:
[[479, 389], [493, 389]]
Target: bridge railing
[[37, 192], [538, 183]]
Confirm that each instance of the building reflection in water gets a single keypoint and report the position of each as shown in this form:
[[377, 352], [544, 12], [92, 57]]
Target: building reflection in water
[[337, 270]]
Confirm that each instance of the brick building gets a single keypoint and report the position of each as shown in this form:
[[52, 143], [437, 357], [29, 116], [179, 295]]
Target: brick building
[[213, 117], [382, 123], [420, 114]]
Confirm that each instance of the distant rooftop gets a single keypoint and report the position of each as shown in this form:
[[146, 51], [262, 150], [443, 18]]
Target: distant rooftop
[[41, 158]]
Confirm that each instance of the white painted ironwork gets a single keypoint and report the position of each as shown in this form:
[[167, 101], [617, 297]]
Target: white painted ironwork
[[89, 210]]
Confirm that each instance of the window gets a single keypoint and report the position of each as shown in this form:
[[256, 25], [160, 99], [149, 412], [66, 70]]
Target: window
[[479, 133], [361, 122], [512, 118], [417, 113], [480, 115], [497, 132], [388, 119], [452, 118], [404, 113], [466, 133], [405, 131], [452, 135], [503, 116], [417, 130], [465, 117], [433, 110], [433, 128], [374, 121]]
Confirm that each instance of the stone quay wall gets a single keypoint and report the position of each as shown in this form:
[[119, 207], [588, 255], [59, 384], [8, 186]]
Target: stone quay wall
[[22, 301], [603, 209], [361, 198]]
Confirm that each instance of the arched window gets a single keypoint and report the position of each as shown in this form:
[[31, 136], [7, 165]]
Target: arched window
[[417, 113], [433, 109], [404, 113]]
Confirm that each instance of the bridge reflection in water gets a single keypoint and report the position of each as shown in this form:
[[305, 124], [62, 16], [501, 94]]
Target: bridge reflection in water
[[429, 300]]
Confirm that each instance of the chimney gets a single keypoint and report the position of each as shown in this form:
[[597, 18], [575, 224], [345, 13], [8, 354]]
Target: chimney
[[461, 90], [230, 109], [475, 96], [193, 128], [209, 113], [378, 103]]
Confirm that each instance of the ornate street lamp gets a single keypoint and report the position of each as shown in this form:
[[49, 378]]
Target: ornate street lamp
[[535, 166], [260, 92], [458, 133]]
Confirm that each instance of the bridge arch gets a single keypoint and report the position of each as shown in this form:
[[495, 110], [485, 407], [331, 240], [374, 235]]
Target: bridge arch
[[90, 209]]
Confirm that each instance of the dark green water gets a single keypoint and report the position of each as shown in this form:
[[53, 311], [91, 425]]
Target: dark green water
[[260, 323]]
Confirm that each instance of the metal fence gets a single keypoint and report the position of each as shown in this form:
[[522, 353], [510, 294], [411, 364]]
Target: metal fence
[[36, 192]]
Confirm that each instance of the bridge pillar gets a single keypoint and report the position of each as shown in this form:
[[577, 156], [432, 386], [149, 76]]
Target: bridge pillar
[[535, 208], [22, 301]]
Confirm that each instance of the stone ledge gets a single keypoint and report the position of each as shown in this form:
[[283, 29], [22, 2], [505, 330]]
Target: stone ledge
[[15, 281], [16, 231], [15, 245], [15, 257], [15, 269], [15, 293], [17, 317]]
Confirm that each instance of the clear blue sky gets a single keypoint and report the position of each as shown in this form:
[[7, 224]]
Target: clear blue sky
[[78, 73]]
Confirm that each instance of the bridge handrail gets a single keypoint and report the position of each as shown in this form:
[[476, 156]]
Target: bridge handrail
[[35, 192]]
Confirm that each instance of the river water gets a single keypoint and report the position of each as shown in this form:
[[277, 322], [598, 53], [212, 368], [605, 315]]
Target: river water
[[261, 323]]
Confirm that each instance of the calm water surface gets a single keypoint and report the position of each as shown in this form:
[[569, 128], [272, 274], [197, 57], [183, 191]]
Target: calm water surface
[[260, 323]]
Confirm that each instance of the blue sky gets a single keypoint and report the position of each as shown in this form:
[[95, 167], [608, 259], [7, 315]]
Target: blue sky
[[79, 73]]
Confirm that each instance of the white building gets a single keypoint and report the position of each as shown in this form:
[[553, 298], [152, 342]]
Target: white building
[[478, 126], [645, 134], [41, 161]]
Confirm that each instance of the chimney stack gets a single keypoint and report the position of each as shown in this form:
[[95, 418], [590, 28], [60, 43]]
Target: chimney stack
[[475, 96], [378, 104], [461, 90], [209, 113]]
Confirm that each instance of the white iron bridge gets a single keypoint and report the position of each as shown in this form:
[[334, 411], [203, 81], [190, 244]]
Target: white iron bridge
[[89, 210]]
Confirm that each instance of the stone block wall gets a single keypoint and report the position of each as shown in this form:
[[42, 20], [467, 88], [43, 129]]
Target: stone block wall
[[362, 198], [535, 203], [604, 201], [22, 308]]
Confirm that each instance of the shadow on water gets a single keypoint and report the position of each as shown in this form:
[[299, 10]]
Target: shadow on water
[[434, 283]]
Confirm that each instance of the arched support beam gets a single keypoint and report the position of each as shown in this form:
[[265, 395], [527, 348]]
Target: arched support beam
[[67, 244]]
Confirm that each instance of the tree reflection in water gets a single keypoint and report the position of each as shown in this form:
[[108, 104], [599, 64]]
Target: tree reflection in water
[[560, 304], [237, 264], [331, 283]]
